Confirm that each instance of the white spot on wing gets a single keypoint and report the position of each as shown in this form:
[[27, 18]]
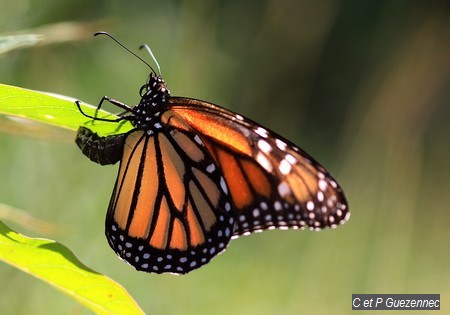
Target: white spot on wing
[[291, 159], [277, 205], [283, 189], [198, 140], [320, 196], [322, 185], [347, 216], [223, 185], [261, 131], [280, 144], [210, 168], [284, 167], [264, 146], [264, 162]]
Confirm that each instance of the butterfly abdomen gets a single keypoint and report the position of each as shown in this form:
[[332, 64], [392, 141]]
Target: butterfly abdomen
[[101, 150]]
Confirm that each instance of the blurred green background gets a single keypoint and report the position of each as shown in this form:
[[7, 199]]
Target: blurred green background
[[363, 86]]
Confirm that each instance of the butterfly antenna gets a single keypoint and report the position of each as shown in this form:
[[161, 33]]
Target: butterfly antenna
[[120, 44], [151, 55]]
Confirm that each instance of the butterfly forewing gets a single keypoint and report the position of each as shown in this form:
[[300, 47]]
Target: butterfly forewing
[[273, 183], [178, 216]]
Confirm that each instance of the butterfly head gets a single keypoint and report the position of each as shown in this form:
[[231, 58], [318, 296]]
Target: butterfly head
[[154, 90], [154, 95]]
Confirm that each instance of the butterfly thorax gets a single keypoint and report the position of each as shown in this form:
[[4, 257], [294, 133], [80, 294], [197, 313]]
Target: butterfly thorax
[[147, 114]]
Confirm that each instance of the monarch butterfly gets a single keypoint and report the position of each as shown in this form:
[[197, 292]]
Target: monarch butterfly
[[194, 175]]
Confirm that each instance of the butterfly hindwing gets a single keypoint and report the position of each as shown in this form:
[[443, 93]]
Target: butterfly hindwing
[[170, 209]]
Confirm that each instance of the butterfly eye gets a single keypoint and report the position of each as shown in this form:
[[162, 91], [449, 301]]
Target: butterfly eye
[[143, 90]]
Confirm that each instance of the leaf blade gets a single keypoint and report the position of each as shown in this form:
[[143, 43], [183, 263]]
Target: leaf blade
[[56, 110], [57, 265]]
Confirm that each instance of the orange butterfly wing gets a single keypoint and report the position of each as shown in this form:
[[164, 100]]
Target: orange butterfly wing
[[169, 211], [272, 182]]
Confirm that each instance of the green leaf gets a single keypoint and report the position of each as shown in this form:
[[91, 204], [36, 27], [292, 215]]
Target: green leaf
[[58, 266], [56, 110]]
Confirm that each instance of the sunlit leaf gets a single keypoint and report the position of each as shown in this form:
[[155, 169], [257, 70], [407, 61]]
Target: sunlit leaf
[[58, 266], [55, 109]]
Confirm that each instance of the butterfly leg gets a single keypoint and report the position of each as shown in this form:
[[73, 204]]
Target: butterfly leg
[[112, 101]]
